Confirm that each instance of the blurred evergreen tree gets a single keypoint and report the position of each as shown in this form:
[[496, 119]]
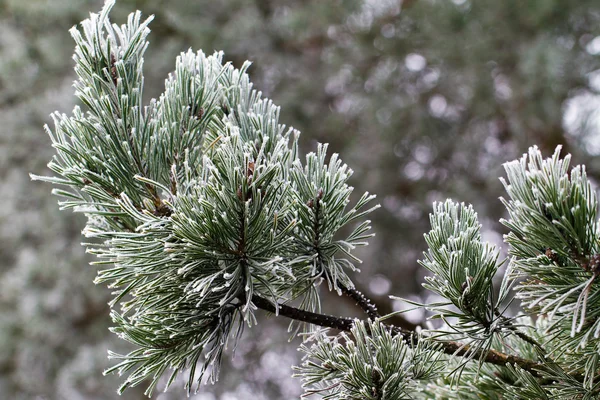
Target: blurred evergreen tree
[[425, 99]]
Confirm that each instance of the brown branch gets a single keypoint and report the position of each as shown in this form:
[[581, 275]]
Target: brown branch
[[327, 321], [361, 300], [491, 356], [517, 332], [525, 337], [384, 307], [448, 347]]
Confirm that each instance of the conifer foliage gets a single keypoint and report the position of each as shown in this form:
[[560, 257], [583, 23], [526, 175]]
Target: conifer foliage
[[201, 211]]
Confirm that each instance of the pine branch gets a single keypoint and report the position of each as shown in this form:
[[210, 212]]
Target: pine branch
[[448, 347], [246, 220]]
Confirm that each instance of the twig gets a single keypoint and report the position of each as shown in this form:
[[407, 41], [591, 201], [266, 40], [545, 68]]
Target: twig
[[327, 321], [361, 300], [511, 327], [451, 347]]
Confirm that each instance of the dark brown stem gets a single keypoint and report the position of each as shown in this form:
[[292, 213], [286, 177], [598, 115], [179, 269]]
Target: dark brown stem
[[522, 335], [491, 356], [451, 347], [327, 321], [525, 337], [361, 300], [384, 307]]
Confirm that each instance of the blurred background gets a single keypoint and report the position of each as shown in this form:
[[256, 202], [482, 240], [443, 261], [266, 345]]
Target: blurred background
[[424, 99]]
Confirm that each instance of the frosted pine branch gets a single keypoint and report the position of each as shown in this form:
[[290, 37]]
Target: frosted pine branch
[[201, 210]]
